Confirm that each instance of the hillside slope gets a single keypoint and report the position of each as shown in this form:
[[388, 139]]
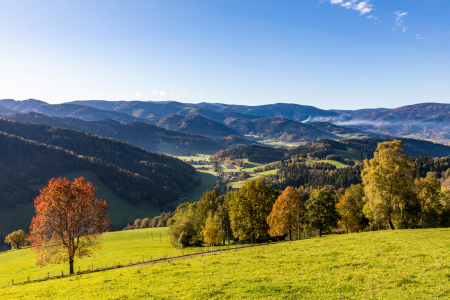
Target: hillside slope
[[31, 154], [279, 129], [195, 124], [140, 134], [371, 265]]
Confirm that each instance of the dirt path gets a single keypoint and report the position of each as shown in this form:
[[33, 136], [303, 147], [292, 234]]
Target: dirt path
[[189, 256]]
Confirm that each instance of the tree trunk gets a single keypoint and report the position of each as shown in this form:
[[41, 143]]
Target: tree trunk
[[320, 232], [391, 225], [71, 265], [290, 235]]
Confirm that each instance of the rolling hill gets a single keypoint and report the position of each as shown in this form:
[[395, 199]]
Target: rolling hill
[[279, 129], [5, 111], [195, 124], [140, 134], [32, 154]]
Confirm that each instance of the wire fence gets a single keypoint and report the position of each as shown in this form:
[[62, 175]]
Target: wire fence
[[143, 258]]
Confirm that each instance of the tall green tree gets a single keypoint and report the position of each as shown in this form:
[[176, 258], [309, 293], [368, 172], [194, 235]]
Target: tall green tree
[[249, 208], [321, 210], [429, 194], [212, 231], [210, 203], [388, 181], [350, 209], [181, 228], [286, 212]]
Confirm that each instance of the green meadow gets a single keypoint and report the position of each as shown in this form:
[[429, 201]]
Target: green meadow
[[118, 248], [400, 264]]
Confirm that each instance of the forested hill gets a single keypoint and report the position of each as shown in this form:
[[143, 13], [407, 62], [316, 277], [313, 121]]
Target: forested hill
[[31, 154], [196, 124], [144, 135], [348, 149], [4, 110], [280, 129]]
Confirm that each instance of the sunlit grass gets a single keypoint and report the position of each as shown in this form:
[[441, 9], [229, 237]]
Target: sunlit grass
[[403, 264]]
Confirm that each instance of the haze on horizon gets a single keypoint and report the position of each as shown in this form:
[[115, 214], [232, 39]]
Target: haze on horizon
[[331, 54]]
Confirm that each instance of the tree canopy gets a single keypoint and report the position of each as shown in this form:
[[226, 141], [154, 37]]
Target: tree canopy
[[68, 223]]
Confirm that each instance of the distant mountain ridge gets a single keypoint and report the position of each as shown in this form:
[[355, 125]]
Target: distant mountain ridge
[[424, 121], [144, 135], [195, 124]]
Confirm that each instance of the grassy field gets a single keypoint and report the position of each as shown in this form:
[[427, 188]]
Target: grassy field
[[120, 210], [401, 264], [238, 184], [287, 144], [208, 183], [122, 247], [169, 149], [338, 164]]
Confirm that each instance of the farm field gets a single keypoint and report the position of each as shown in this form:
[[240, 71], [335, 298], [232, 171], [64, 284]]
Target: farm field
[[400, 264], [286, 144], [238, 184]]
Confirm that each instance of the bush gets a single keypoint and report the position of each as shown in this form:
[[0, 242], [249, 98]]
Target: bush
[[145, 223], [137, 224], [155, 221]]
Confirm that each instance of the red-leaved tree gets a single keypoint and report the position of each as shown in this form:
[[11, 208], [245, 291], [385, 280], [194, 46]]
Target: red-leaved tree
[[68, 223]]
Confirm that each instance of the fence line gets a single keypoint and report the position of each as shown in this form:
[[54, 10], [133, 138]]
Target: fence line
[[185, 251]]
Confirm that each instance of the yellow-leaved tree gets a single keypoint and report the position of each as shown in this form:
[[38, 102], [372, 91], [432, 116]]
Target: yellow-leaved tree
[[350, 209], [213, 232], [429, 193], [388, 181], [285, 215], [17, 239]]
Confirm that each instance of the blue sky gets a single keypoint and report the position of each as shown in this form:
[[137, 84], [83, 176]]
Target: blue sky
[[346, 54]]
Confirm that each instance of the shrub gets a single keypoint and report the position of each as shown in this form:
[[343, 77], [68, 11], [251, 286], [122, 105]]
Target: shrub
[[137, 224], [145, 223]]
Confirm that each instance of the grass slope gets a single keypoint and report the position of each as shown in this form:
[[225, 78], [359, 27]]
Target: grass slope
[[119, 209], [403, 264], [208, 183]]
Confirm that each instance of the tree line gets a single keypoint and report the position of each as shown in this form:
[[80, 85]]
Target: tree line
[[392, 195]]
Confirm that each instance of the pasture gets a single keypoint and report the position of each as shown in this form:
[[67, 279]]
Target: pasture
[[400, 264]]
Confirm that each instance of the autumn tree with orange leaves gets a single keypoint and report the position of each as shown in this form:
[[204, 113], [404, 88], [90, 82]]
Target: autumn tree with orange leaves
[[68, 223], [284, 216]]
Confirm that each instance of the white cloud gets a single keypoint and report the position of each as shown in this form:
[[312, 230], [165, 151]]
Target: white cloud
[[162, 93], [154, 93], [171, 93], [399, 19], [120, 96], [404, 29], [363, 7], [182, 94], [137, 94], [372, 17]]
